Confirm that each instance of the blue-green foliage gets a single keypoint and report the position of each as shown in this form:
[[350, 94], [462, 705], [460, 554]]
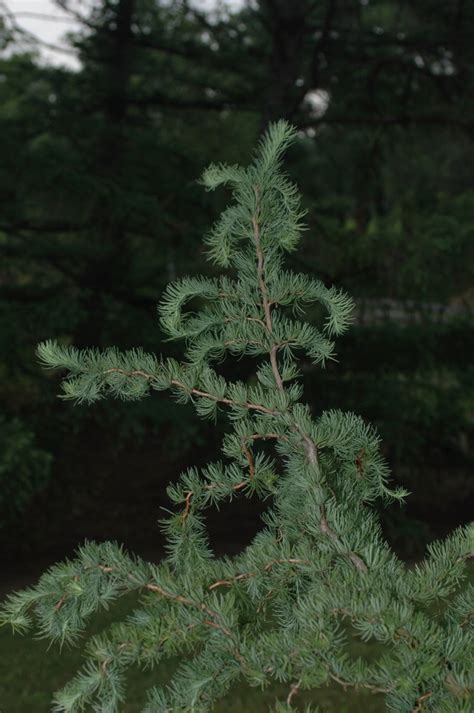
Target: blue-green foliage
[[280, 610]]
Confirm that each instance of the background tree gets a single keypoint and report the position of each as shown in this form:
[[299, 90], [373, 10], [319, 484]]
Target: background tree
[[100, 209]]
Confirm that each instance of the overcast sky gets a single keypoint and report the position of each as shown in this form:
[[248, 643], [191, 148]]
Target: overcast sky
[[51, 28]]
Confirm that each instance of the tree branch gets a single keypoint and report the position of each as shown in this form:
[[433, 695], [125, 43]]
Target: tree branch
[[263, 290]]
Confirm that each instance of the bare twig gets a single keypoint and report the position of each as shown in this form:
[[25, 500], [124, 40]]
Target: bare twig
[[420, 702], [293, 692]]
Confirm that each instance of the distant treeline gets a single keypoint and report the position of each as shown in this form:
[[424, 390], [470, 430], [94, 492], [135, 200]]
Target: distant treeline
[[100, 208]]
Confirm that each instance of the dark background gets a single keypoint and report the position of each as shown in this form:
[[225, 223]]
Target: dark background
[[100, 208]]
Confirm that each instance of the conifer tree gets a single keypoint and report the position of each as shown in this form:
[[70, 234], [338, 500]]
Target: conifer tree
[[280, 610]]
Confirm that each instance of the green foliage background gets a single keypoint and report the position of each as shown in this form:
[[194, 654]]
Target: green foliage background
[[100, 209]]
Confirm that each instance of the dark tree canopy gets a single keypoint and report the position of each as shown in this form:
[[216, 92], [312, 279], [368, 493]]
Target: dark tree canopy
[[100, 206]]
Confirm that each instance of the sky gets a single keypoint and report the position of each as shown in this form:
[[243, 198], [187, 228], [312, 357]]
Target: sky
[[50, 28], [44, 20]]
